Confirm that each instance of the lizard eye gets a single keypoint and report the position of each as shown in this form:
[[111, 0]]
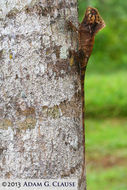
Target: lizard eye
[[93, 12]]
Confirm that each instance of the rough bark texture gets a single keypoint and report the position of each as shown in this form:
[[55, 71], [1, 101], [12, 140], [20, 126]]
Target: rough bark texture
[[40, 101]]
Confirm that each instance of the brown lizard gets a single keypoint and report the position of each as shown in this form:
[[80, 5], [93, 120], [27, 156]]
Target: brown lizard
[[91, 24]]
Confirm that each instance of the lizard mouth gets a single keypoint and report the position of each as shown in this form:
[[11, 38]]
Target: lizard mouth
[[99, 27]]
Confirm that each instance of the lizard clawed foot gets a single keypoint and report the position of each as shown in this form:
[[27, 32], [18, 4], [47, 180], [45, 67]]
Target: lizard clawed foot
[[70, 23]]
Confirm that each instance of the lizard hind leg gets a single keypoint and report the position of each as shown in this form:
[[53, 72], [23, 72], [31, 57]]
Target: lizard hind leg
[[75, 59]]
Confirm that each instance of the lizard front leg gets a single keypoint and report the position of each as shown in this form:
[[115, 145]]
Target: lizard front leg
[[71, 24]]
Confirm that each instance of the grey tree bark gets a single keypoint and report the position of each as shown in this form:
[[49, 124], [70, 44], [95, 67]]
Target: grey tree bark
[[41, 133]]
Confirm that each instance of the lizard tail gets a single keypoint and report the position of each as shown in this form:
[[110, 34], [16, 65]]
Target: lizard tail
[[83, 119]]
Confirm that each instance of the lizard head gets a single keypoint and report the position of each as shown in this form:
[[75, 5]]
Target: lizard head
[[93, 21]]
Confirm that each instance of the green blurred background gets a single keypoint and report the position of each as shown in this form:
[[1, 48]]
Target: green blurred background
[[106, 99]]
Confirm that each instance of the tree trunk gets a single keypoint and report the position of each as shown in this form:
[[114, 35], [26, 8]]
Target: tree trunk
[[40, 94]]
